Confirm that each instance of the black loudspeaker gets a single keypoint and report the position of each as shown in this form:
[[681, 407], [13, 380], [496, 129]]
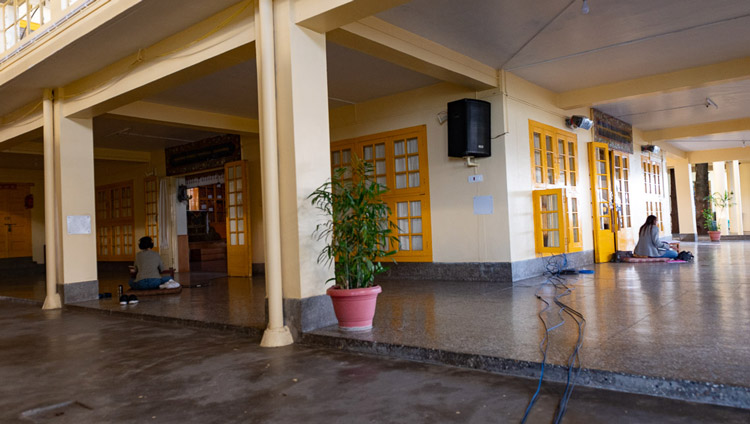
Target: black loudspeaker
[[469, 128]]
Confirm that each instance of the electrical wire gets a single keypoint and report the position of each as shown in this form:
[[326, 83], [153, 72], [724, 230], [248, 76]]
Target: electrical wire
[[556, 280]]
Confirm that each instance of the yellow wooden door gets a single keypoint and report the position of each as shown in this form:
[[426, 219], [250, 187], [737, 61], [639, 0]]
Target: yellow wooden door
[[601, 202], [239, 252], [621, 192], [15, 234]]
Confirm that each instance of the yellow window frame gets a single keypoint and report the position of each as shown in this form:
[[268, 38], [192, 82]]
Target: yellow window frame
[[416, 189], [564, 220], [554, 159]]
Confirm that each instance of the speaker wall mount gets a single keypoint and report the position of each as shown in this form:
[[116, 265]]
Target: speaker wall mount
[[578, 121]]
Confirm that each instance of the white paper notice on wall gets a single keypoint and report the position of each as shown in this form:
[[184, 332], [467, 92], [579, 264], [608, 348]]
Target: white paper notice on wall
[[79, 224], [483, 205]]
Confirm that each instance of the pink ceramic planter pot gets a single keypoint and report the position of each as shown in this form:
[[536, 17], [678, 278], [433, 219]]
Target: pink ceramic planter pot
[[354, 308]]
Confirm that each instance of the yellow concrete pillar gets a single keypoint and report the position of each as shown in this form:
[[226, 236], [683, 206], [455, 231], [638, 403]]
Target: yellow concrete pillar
[[685, 201], [718, 179], [304, 164], [76, 219], [744, 194], [52, 300], [276, 334], [735, 211]]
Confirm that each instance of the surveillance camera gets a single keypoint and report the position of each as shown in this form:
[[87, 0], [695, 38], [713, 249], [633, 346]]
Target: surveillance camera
[[578, 121]]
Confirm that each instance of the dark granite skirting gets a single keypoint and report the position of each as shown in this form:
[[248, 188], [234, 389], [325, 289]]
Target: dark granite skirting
[[479, 271], [537, 266], [78, 292], [685, 237], [302, 315], [693, 391], [459, 271], [259, 269]]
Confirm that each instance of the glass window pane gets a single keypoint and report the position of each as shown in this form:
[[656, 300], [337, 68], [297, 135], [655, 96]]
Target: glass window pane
[[402, 209], [403, 226], [549, 221], [416, 225], [401, 181], [239, 183], [537, 158], [233, 239], [551, 239], [551, 176], [576, 236], [380, 151], [603, 181], [335, 158], [400, 164], [413, 163], [346, 156], [232, 199], [368, 152], [239, 198], [600, 154], [403, 243], [538, 175], [571, 148], [412, 146], [231, 187], [241, 239], [416, 243], [380, 167], [414, 179], [381, 181], [233, 225], [537, 143], [416, 208], [548, 142], [241, 225], [398, 148], [232, 212], [572, 179]]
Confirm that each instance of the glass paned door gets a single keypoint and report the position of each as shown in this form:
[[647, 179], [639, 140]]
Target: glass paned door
[[238, 219], [601, 197]]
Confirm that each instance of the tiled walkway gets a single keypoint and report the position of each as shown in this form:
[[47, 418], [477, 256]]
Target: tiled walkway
[[677, 325]]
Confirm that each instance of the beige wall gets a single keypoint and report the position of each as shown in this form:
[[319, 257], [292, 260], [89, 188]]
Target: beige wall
[[459, 235]]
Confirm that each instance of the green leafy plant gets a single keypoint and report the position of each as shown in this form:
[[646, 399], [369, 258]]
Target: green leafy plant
[[709, 223], [722, 201], [357, 232]]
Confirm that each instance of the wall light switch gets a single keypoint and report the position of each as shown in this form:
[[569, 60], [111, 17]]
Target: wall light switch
[[476, 178]]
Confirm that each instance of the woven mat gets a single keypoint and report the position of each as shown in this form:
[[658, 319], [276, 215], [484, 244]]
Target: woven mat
[[154, 292], [638, 260]]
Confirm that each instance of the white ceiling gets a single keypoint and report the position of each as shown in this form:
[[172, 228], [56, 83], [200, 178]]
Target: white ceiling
[[548, 42]]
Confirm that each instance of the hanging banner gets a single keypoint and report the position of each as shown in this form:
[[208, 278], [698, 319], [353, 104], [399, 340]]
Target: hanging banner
[[204, 154], [616, 133]]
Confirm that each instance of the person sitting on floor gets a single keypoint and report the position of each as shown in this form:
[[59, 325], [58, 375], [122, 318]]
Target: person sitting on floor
[[148, 267], [649, 243]]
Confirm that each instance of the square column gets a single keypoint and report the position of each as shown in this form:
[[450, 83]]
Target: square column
[[685, 203], [76, 208], [719, 185], [304, 164], [735, 211]]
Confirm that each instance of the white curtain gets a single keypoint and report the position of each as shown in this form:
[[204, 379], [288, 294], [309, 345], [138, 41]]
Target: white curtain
[[163, 215]]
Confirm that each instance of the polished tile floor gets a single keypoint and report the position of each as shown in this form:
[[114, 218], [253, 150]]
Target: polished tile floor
[[676, 321]]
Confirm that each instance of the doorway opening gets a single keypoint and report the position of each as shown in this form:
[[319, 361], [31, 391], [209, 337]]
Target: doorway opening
[[206, 219]]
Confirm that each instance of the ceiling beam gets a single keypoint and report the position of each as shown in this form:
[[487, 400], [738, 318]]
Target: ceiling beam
[[187, 118], [100, 153], [697, 130], [326, 15], [391, 43], [221, 41], [20, 127], [684, 79], [719, 155]]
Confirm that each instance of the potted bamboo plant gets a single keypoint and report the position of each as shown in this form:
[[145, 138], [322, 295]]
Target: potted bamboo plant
[[358, 236], [710, 224], [721, 202]]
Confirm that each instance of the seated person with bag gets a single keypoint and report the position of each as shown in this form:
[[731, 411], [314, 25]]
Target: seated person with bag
[[148, 267], [649, 243]]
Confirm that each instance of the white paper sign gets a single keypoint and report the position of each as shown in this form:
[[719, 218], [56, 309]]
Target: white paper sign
[[79, 224], [483, 205]]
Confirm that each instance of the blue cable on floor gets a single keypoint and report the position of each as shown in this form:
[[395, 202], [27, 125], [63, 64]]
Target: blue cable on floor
[[556, 279]]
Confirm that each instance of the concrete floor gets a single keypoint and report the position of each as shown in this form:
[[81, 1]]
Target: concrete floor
[[674, 330], [75, 367]]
